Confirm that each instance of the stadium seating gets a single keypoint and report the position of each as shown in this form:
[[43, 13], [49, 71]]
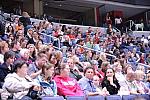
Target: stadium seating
[[96, 98], [113, 97], [52, 98], [128, 97], [75, 98]]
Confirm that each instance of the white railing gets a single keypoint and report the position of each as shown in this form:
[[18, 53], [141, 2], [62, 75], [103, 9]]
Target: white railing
[[131, 23], [55, 39], [97, 51], [144, 65]]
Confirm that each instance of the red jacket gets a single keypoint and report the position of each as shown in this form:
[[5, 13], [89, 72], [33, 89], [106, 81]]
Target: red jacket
[[67, 86]]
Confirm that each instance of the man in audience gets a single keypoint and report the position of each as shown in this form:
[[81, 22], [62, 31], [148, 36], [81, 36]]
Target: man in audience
[[35, 69], [15, 47]]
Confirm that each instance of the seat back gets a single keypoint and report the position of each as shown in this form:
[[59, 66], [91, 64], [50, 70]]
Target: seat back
[[53, 98], [113, 97], [75, 98], [128, 97], [96, 98], [145, 96]]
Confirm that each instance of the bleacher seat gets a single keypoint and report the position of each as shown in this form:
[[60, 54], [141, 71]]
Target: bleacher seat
[[52, 98], [145, 96], [113, 97], [96, 98], [128, 97], [130, 48], [75, 98]]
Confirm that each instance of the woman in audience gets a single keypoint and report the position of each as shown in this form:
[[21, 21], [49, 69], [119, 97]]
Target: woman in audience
[[48, 85], [127, 69], [104, 67], [25, 56], [66, 86], [35, 38], [132, 88], [110, 82], [88, 55], [18, 83], [142, 89], [121, 78], [3, 48], [32, 51], [78, 63], [39, 45], [74, 71], [10, 30], [6, 67], [102, 58]]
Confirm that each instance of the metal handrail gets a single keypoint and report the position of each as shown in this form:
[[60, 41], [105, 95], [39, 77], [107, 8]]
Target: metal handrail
[[144, 65], [90, 49], [131, 24], [97, 51], [53, 38]]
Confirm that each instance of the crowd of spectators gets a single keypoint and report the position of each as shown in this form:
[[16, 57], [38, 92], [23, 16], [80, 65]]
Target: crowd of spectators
[[62, 60]]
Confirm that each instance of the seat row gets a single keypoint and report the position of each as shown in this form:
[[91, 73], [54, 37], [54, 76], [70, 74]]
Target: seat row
[[111, 97]]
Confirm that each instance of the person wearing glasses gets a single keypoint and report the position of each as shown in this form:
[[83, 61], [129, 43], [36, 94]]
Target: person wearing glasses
[[110, 82]]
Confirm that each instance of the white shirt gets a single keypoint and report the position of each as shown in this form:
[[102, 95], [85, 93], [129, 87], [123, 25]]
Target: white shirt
[[118, 20]]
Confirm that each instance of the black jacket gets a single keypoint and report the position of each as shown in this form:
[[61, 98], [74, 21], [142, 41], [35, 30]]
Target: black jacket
[[110, 88], [26, 21], [4, 71]]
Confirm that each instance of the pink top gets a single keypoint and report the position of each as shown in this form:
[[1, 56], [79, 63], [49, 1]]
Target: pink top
[[67, 86]]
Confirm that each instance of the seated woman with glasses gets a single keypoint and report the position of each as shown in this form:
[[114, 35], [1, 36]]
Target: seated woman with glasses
[[66, 86], [110, 82]]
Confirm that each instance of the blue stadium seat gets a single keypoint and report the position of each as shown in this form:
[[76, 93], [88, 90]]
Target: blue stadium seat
[[52, 98], [96, 98], [145, 96], [125, 50], [128, 97], [113, 97], [75, 98]]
